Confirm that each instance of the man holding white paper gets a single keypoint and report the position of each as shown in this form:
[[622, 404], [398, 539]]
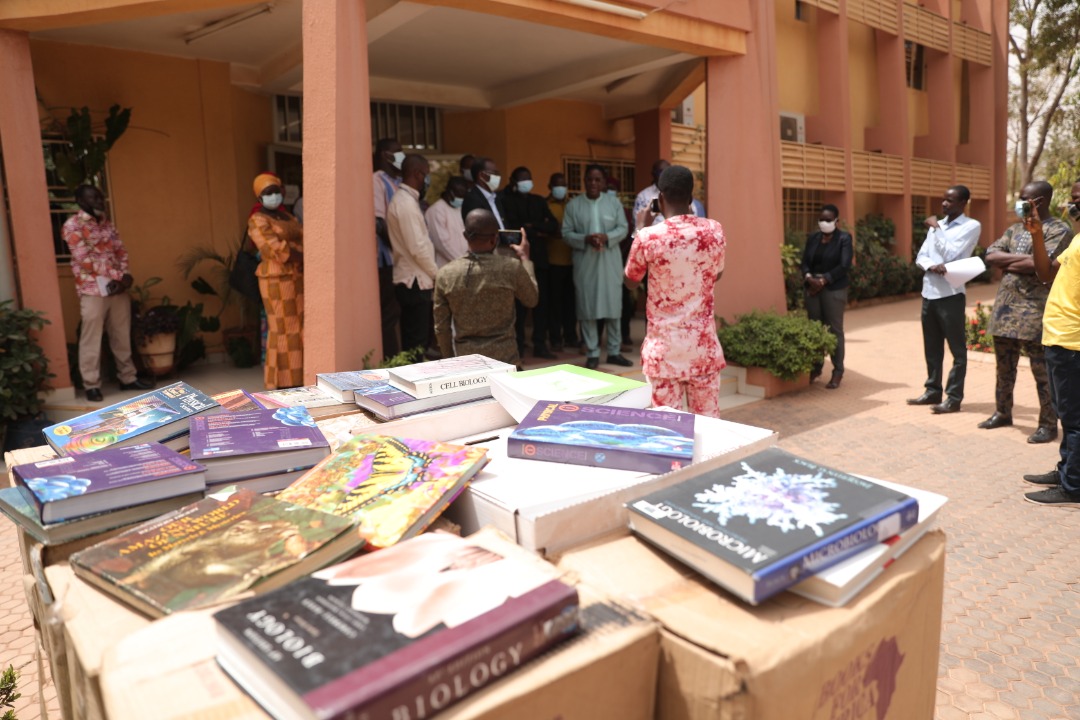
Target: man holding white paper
[[950, 238]]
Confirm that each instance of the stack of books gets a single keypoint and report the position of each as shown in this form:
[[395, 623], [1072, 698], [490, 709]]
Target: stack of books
[[312, 397], [411, 389], [263, 450], [761, 525], [402, 633], [157, 416], [519, 392]]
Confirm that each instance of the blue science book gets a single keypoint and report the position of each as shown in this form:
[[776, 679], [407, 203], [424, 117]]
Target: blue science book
[[652, 441], [762, 524], [157, 416]]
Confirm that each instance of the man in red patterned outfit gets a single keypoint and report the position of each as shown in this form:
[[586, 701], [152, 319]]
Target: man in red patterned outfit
[[684, 257], [99, 263]]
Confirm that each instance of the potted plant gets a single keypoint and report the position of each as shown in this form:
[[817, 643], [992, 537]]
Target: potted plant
[[154, 328], [241, 342], [778, 351], [24, 367]]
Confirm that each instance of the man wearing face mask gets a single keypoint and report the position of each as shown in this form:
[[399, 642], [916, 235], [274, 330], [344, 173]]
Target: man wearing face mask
[[562, 316], [387, 161], [484, 194], [529, 212], [465, 170], [475, 294], [99, 263], [445, 224], [1016, 323], [950, 238], [414, 255]]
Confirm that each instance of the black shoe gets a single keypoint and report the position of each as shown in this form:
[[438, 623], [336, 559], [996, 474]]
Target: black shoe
[[543, 352], [1047, 478], [94, 395], [927, 398], [592, 363], [1043, 435], [620, 361], [556, 347], [995, 421], [137, 384], [816, 373], [834, 381], [949, 406], [1053, 496]]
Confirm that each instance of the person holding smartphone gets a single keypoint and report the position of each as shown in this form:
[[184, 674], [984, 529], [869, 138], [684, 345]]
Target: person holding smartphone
[[1016, 322]]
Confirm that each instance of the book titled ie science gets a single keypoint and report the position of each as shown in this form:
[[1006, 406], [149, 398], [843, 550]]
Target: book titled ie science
[[652, 441], [757, 526]]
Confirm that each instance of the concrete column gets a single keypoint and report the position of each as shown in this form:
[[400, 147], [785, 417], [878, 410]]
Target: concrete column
[[940, 143], [999, 217], [832, 126], [652, 141], [24, 166], [743, 166], [341, 287]]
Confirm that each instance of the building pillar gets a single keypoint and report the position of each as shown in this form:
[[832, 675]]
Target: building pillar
[[742, 163], [999, 216], [832, 126], [940, 142], [24, 167], [341, 298], [652, 141]]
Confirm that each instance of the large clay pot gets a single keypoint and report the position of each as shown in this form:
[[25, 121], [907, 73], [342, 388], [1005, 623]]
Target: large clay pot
[[158, 353], [773, 385]]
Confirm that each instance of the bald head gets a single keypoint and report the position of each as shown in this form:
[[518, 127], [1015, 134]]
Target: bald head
[[481, 230]]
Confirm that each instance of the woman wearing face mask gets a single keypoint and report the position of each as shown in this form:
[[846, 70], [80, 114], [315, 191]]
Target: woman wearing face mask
[[825, 264], [279, 238]]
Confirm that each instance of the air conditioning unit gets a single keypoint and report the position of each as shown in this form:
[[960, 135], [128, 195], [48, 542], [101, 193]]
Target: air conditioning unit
[[793, 127]]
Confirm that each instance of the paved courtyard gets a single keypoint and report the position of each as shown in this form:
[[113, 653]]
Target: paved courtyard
[[1011, 636]]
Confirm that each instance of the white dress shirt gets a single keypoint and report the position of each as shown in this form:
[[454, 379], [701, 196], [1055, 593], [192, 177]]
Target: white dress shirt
[[490, 197], [951, 240], [414, 255], [447, 231]]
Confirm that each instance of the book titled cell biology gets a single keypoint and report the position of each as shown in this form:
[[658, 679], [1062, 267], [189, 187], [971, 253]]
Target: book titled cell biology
[[447, 375]]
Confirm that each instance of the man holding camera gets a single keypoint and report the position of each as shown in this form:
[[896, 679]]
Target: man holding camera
[[1016, 323]]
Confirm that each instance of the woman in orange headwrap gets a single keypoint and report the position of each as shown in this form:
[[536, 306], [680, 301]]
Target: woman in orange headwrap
[[279, 238]]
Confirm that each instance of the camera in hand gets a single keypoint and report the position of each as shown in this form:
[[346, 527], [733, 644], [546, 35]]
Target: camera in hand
[[1025, 208], [509, 237], [654, 206]]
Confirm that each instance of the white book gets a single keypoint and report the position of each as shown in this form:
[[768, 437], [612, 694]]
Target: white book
[[448, 375], [518, 392]]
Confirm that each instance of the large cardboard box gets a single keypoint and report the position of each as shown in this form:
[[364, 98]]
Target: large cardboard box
[[721, 659], [548, 507]]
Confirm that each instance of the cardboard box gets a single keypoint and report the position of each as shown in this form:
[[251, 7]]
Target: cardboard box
[[548, 507], [722, 659]]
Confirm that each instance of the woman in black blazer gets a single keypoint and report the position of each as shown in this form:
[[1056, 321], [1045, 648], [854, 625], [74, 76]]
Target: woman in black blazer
[[825, 265]]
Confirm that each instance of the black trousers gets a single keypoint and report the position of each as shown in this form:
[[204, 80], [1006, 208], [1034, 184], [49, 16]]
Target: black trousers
[[391, 313], [415, 315], [562, 307], [943, 322]]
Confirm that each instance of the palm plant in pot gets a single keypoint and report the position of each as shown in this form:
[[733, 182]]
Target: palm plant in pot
[[241, 342], [154, 328]]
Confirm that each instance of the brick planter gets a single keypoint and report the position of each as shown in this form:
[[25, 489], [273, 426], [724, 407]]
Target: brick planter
[[772, 385]]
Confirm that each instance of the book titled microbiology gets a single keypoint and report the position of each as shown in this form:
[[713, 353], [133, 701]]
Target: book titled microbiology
[[760, 525], [652, 441]]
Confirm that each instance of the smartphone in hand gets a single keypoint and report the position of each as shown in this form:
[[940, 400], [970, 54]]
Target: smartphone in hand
[[654, 206]]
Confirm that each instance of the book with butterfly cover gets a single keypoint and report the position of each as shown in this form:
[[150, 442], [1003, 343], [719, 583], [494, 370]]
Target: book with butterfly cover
[[401, 633], [228, 544], [160, 415], [390, 488]]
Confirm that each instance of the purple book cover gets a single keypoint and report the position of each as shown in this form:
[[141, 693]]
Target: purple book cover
[[654, 441], [251, 433], [51, 480]]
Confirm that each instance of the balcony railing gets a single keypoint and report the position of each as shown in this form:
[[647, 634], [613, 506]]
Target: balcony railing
[[811, 166], [972, 44], [880, 14], [832, 6], [925, 27], [877, 173], [930, 177], [976, 178]]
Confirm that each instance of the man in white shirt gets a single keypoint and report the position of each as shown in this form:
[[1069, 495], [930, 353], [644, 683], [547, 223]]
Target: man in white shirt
[[445, 224], [951, 238], [414, 255], [387, 161], [646, 196]]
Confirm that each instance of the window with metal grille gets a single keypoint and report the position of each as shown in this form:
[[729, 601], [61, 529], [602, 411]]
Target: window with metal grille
[[621, 170], [915, 63], [62, 199], [416, 127], [801, 209], [289, 119]]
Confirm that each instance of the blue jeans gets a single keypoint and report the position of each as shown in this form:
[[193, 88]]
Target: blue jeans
[[1063, 365]]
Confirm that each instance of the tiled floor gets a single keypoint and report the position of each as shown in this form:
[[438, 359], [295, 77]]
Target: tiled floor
[[1011, 636]]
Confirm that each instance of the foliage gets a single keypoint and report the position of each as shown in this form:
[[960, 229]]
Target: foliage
[[1044, 41], [977, 329], [189, 343], [1066, 175], [882, 276], [24, 367], [157, 320], [218, 269], [82, 158], [791, 257], [8, 695], [785, 345], [241, 351], [875, 235]]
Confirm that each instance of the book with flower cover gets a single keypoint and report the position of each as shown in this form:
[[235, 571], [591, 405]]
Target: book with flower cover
[[240, 446], [758, 526], [220, 548], [653, 441], [390, 488], [157, 416], [401, 633], [237, 401], [79, 485], [448, 375]]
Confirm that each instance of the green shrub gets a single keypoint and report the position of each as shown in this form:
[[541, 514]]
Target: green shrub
[[785, 345], [977, 329], [791, 257], [24, 368]]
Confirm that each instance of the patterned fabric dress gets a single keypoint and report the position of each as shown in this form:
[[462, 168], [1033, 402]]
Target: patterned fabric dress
[[279, 239], [681, 353]]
